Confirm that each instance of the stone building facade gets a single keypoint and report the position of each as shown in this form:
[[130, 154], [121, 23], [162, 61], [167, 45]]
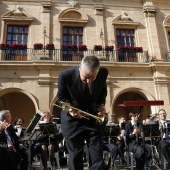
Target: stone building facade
[[29, 82]]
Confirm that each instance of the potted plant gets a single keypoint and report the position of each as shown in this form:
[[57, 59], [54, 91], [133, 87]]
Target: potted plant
[[109, 48], [130, 49], [4, 46], [97, 48], [38, 46], [22, 46], [139, 49], [66, 47], [73, 47], [82, 47], [50, 46], [13, 46]]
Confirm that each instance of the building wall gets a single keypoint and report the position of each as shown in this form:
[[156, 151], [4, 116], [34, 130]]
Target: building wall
[[38, 79]]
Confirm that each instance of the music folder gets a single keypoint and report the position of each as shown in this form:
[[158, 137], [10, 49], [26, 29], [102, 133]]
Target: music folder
[[48, 128], [151, 129]]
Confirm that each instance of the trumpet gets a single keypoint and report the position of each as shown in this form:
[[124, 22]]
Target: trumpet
[[66, 106]]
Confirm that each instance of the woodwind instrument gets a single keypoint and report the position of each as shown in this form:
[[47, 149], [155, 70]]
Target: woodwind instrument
[[66, 106]]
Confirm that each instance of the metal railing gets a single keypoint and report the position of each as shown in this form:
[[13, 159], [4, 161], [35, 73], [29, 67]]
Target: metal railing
[[30, 54]]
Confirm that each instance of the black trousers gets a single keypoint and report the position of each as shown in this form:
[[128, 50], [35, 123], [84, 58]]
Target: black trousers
[[146, 157], [121, 150], [164, 147], [112, 148], [75, 146], [9, 160]]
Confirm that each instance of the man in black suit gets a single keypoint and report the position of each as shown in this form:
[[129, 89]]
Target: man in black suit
[[85, 88], [164, 142], [10, 141], [142, 151]]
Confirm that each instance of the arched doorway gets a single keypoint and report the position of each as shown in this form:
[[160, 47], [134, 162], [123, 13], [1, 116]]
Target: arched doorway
[[19, 104], [119, 111]]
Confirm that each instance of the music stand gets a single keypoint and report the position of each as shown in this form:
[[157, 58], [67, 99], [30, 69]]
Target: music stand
[[48, 129], [151, 130], [112, 131]]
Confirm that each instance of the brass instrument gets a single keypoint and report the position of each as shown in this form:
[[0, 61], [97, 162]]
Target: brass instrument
[[66, 106]]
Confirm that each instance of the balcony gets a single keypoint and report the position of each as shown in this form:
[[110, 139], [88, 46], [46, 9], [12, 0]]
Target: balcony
[[31, 54]]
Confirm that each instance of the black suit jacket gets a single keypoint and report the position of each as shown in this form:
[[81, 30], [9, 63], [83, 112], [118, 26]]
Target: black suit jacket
[[129, 130], [70, 90], [3, 138]]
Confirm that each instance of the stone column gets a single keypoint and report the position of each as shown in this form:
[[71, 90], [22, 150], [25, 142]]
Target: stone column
[[44, 81], [46, 20], [99, 11], [152, 32], [162, 89]]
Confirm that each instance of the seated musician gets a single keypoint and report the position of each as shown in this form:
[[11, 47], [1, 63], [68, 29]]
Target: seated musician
[[142, 151], [121, 143], [164, 144], [109, 144], [10, 141], [18, 125], [46, 147]]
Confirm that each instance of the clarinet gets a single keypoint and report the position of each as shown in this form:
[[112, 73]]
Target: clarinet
[[11, 143], [137, 135]]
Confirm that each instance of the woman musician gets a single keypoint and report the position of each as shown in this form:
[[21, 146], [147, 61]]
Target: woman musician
[[47, 147]]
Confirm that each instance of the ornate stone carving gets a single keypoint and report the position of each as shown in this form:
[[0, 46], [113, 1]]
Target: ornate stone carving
[[72, 14], [149, 10], [99, 9], [125, 17], [72, 2], [46, 7]]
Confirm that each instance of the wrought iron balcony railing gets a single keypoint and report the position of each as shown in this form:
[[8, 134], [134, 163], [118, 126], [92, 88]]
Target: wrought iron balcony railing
[[31, 54]]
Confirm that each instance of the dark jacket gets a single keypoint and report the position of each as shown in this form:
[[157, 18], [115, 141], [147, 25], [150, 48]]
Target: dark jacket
[[70, 90], [3, 138]]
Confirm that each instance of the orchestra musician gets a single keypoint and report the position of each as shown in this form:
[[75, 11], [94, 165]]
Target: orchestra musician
[[7, 156], [47, 148], [85, 88], [142, 151], [164, 144], [121, 142], [10, 141], [18, 125]]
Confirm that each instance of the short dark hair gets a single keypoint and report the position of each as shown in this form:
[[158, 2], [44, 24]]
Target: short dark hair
[[132, 114], [16, 120]]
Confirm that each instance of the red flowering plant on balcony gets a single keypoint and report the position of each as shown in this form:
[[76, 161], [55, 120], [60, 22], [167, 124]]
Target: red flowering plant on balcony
[[4, 46], [13, 46], [50, 46], [82, 47], [38, 46], [130, 49], [109, 48], [69, 47], [97, 48], [22, 46]]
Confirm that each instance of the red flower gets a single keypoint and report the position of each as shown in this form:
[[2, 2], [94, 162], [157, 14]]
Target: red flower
[[126, 48], [97, 46], [50, 45], [82, 46], [38, 45], [109, 47], [4, 45]]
